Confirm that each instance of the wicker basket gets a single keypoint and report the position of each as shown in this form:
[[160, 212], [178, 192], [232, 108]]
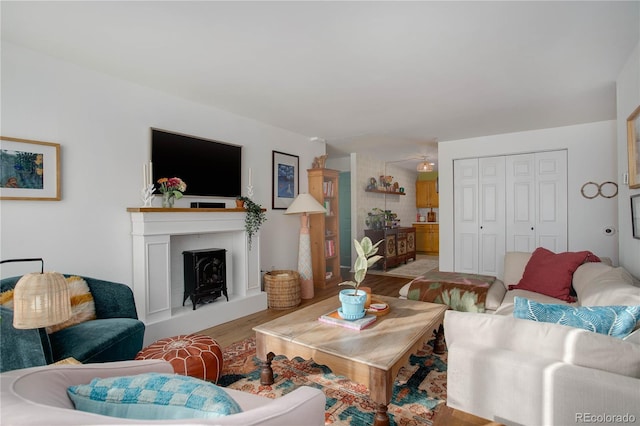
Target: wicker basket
[[283, 289]]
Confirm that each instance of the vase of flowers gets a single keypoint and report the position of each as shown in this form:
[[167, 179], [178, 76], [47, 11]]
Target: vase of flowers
[[171, 189]]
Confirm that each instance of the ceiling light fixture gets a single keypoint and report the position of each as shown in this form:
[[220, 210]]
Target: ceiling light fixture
[[425, 166]]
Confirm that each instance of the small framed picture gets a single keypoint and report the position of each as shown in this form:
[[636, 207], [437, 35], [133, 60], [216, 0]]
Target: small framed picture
[[29, 170], [285, 179], [635, 215]]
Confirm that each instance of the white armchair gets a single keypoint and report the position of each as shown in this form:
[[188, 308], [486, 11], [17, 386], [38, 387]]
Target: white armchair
[[35, 396]]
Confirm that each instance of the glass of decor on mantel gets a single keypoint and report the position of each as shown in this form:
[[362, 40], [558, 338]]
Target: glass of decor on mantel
[[171, 189]]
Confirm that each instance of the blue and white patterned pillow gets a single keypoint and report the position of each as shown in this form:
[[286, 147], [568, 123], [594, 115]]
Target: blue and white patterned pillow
[[153, 396], [616, 321]]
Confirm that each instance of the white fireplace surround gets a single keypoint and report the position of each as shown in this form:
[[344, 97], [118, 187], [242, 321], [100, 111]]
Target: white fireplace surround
[[159, 238]]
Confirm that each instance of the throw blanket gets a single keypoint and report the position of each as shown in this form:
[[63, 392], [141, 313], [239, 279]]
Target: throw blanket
[[461, 292]]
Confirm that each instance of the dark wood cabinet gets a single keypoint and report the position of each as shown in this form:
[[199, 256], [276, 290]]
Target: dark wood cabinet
[[398, 247]]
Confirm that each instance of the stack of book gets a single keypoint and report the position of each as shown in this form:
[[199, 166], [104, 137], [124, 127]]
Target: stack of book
[[327, 188], [329, 248], [334, 318]]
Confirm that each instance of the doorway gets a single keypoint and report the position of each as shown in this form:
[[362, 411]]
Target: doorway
[[344, 201]]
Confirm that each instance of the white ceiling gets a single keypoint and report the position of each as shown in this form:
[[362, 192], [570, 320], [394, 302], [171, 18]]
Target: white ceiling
[[387, 78]]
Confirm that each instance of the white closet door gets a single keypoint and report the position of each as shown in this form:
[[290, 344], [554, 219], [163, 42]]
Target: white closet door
[[537, 201], [491, 203], [479, 220], [466, 222], [551, 194], [521, 200]]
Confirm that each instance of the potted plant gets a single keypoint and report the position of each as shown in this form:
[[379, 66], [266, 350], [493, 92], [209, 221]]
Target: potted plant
[[375, 218], [254, 219], [353, 300]]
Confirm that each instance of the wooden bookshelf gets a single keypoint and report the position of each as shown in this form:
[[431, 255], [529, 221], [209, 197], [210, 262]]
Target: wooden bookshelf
[[325, 228]]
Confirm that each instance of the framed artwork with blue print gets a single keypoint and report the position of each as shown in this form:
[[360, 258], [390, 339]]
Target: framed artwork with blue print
[[285, 179], [29, 170]]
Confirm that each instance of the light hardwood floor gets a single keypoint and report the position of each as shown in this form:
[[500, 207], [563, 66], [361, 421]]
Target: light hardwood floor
[[242, 328]]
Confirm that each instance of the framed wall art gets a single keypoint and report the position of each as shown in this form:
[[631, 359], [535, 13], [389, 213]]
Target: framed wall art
[[285, 179], [29, 170], [633, 148], [635, 215]]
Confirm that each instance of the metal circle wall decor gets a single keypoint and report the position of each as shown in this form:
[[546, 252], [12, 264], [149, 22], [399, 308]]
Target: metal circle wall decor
[[588, 192], [611, 192], [591, 190]]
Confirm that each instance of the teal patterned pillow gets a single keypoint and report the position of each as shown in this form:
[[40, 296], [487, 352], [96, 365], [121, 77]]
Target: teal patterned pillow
[[153, 396], [616, 321]]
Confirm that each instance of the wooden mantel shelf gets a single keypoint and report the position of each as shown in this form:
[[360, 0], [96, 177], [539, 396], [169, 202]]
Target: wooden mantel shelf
[[385, 192], [183, 210]]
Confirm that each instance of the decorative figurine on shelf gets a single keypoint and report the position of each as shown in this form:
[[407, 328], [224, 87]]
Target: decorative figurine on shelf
[[373, 185], [147, 184], [147, 195], [319, 162], [385, 182]]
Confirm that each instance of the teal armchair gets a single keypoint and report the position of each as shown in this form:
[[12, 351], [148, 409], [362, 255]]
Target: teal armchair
[[115, 335]]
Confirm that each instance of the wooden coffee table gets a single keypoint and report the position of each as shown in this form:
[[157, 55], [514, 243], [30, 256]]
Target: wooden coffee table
[[372, 356]]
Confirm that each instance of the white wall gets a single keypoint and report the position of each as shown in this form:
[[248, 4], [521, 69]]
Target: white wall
[[591, 158], [628, 99], [102, 125]]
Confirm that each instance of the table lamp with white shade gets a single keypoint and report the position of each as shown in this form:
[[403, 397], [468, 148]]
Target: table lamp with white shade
[[305, 204]]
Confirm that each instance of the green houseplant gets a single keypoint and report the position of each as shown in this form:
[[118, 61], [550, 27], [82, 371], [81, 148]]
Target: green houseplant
[[255, 217], [353, 301]]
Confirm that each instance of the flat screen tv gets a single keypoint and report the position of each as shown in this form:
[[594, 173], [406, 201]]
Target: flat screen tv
[[209, 168]]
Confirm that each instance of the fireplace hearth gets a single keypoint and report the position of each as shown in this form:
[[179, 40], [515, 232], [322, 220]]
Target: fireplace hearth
[[205, 276]]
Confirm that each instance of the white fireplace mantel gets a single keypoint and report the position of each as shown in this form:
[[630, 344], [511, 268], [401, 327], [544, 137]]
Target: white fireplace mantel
[[158, 273]]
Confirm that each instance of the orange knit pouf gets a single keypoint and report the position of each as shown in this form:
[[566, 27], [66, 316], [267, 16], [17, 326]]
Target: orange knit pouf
[[192, 355]]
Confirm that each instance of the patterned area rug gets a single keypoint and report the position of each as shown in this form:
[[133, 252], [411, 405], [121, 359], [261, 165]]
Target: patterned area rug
[[413, 269], [419, 389]]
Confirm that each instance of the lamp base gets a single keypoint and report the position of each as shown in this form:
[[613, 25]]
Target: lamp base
[[306, 288]]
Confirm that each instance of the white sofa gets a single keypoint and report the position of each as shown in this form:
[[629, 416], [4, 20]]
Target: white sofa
[[38, 395], [521, 372]]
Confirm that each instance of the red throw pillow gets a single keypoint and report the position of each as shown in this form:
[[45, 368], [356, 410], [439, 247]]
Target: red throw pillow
[[551, 274]]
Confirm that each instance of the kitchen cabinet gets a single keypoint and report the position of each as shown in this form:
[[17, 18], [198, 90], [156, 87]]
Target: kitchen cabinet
[[428, 238], [426, 194], [399, 245]]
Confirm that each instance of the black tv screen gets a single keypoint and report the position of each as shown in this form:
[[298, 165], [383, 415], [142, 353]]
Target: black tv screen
[[209, 168]]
